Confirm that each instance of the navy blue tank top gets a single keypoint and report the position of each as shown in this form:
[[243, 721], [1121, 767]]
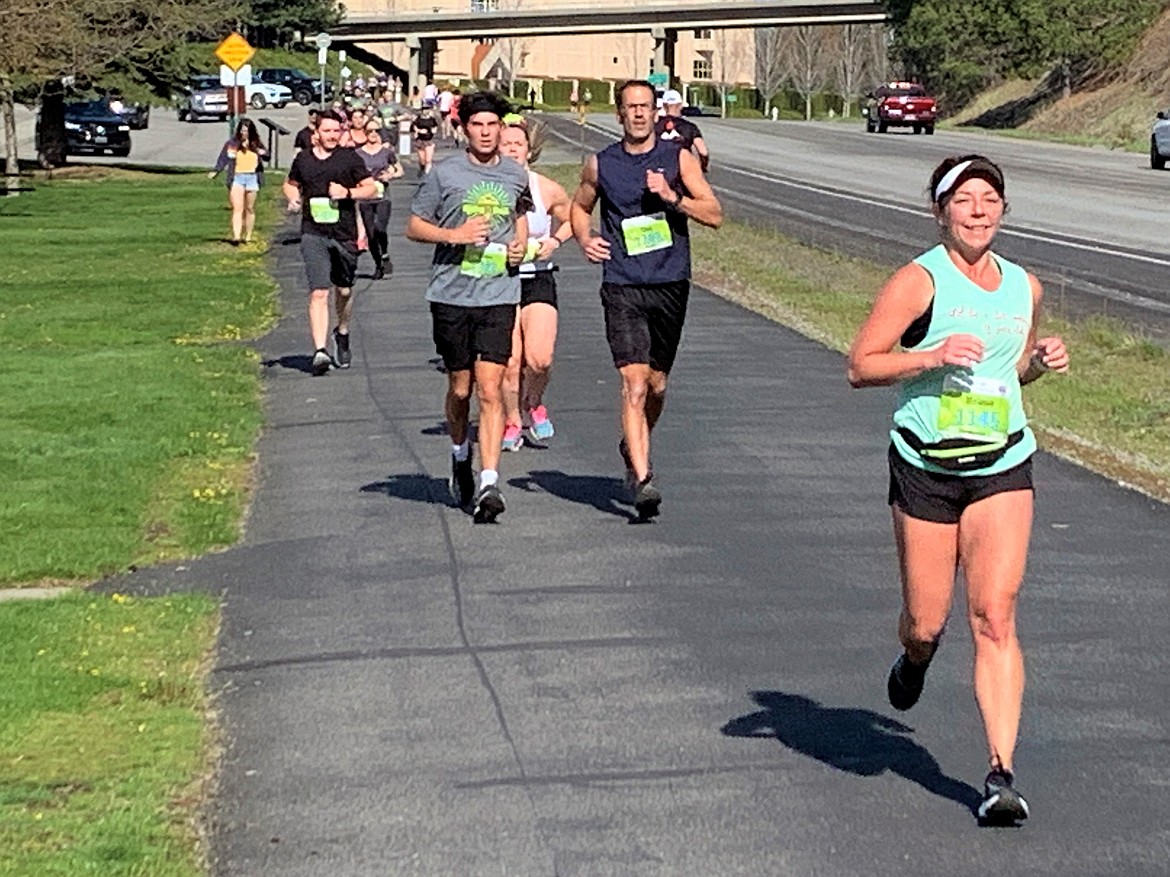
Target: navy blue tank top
[[621, 184]]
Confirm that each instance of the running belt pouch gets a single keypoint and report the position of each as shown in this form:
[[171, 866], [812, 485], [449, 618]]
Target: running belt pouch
[[949, 460]]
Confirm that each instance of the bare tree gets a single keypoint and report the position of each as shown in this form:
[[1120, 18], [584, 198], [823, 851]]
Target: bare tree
[[726, 62], [808, 63], [511, 51], [877, 53], [771, 63], [851, 57]]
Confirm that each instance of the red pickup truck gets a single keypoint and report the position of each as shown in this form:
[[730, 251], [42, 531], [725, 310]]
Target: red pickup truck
[[900, 104]]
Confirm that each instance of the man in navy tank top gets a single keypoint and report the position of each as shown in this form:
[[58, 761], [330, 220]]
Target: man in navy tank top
[[648, 190]]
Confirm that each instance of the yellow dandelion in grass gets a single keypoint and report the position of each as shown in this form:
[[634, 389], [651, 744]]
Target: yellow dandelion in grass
[[119, 598], [129, 628]]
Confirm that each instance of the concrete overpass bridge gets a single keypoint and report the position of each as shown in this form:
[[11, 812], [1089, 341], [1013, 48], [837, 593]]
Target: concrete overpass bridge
[[420, 27]]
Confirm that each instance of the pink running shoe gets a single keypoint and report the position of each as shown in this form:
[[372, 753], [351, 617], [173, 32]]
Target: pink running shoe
[[541, 428], [513, 438]]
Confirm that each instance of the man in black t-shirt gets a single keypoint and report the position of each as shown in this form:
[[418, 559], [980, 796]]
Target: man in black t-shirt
[[323, 183], [673, 128], [304, 138]]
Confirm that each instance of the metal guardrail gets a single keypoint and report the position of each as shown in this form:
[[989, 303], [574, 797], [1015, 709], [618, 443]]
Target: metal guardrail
[[275, 132]]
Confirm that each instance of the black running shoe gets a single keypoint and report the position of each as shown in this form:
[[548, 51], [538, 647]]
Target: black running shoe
[[1001, 804], [489, 505], [462, 482], [344, 356], [906, 682], [647, 499], [631, 475], [379, 271], [322, 362]]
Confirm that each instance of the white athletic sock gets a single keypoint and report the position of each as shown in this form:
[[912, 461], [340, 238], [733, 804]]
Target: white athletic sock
[[463, 451], [488, 477]]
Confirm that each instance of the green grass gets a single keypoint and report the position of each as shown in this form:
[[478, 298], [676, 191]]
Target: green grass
[[102, 735], [1110, 412], [130, 409]]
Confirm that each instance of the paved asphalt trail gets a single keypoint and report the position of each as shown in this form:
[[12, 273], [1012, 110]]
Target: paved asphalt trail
[[565, 693]]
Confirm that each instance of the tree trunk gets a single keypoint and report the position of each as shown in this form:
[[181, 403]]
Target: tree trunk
[[808, 107], [11, 159], [1065, 79], [51, 125]]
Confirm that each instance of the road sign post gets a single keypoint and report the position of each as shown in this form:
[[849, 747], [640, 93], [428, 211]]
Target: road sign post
[[323, 41], [234, 52]]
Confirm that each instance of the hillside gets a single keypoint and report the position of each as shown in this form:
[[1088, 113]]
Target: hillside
[[1115, 110]]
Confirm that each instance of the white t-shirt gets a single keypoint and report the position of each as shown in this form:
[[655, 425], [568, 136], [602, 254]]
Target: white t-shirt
[[445, 98]]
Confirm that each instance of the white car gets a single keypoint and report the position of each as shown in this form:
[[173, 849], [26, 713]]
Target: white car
[[261, 94], [1160, 141]]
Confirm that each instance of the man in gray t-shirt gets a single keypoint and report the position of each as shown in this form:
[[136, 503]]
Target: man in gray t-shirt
[[473, 208]]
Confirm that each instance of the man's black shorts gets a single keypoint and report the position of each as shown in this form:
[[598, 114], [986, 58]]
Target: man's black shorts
[[464, 334], [329, 262], [932, 496], [538, 287], [644, 324]]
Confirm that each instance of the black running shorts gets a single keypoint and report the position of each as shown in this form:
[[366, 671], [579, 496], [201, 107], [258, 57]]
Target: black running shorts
[[644, 324], [538, 287], [464, 334], [932, 496], [329, 262]]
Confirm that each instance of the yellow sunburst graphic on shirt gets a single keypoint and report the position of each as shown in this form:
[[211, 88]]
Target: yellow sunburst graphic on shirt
[[489, 200]]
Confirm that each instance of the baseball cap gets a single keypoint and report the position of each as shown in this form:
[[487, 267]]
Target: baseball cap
[[672, 97]]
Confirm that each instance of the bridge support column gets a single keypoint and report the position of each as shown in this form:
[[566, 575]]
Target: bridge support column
[[665, 40], [421, 68]]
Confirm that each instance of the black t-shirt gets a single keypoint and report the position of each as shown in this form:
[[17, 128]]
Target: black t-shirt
[[304, 138], [424, 128], [677, 130], [314, 175]]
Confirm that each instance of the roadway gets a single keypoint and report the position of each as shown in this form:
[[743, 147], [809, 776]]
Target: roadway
[[1089, 222]]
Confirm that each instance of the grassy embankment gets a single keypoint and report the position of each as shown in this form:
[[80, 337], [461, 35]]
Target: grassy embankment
[[130, 414], [1111, 412]]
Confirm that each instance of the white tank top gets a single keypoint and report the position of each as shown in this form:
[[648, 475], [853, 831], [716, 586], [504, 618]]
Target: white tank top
[[539, 225]]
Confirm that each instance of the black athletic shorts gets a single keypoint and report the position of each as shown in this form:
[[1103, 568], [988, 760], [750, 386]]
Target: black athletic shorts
[[644, 324], [932, 496], [464, 334], [538, 287], [329, 262]]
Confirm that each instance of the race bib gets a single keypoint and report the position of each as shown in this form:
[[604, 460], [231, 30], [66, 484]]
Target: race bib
[[973, 408], [324, 211], [380, 188], [487, 261], [533, 249], [645, 234]]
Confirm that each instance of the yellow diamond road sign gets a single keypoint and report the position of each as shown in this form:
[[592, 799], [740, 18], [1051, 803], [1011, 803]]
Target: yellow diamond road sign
[[234, 51]]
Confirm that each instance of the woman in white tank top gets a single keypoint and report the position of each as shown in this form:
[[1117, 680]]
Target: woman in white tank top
[[535, 335]]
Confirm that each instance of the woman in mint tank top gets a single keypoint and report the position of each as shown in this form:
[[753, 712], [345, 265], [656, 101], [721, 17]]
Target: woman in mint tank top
[[956, 331]]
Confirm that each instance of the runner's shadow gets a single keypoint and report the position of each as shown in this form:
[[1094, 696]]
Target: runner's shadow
[[415, 487], [856, 741], [300, 362], [602, 493]]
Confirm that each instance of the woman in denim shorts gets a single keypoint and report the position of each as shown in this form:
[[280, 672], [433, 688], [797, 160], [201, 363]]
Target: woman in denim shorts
[[243, 159]]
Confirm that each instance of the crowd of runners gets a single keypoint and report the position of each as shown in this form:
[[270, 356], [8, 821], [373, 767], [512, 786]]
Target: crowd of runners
[[955, 330]]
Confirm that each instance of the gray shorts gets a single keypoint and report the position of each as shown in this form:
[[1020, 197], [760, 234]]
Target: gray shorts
[[329, 262]]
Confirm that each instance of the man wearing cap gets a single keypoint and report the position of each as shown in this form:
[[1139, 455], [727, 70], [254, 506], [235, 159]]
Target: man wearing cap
[[473, 208], [673, 128], [648, 192]]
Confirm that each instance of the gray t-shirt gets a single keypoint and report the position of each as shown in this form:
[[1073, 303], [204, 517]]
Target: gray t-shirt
[[453, 192]]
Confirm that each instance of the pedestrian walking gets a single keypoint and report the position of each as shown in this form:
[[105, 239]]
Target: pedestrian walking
[[242, 157], [382, 165]]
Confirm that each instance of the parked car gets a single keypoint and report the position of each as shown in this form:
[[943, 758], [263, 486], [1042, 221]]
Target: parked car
[[204, 98], [92, 127], [900, 104], [305, 89], [137, 115], [1160, 141], [261, 94]]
